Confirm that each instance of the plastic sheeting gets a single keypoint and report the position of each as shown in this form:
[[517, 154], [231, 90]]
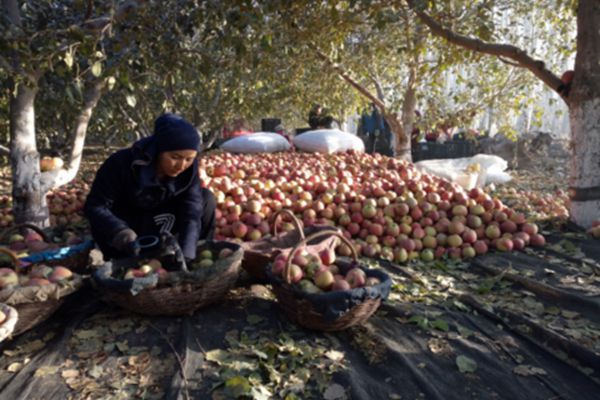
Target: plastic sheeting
[[481, 352]]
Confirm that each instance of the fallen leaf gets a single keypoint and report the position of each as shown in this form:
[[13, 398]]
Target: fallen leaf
[[569, 314], [440, 324], [218, 355], [334, 392], [334, 355], [96, 371], [69, 373], [14, 367], [466, 364], [528, 370], [86, 334], [122, 346], [238, 386], [45, 370], [254, 319]]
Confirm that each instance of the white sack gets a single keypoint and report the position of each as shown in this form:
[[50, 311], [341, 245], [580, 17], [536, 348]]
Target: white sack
[[492, 170], [258, 142], [328, 141]]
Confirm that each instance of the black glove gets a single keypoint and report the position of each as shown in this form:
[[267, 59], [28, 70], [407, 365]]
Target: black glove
[[125, 242]]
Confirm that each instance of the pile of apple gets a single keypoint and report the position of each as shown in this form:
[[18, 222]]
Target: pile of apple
[[65, 205], [38, 275], [316, 273], [542, 206], [385, 205]]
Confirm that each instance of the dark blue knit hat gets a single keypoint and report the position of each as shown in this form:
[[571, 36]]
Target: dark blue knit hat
[[172, 132]]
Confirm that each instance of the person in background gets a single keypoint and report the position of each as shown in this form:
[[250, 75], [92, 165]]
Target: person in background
[[239, 128], [319, 118], [151, 188]]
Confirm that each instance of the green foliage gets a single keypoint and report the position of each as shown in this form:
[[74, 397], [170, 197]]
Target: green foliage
[[215, 61]]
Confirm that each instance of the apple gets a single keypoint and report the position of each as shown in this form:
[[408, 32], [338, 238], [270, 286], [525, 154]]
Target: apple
[[492, 232], [308, 287], [205, 263], [427, 255], [15, 237], [206, 254], [295, 273], [356, 277], [537, 240], [327, 256], [145, 269], [340, 284], [239, 229], [278, 267], [60, 274], [37, 282], [154, 263], [8, 277], [324, 279], [224, 253]]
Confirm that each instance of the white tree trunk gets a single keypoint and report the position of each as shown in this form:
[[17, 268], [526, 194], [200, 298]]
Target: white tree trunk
[[584, 113], [29, 200], [585, 162]]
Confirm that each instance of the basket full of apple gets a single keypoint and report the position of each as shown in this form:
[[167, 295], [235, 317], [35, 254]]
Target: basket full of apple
[[259, 253], [164, 284], [35, 245], [320, 292], [35, 291]]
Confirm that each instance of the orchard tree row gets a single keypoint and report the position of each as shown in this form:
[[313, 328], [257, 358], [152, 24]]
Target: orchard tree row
[[74, 70]]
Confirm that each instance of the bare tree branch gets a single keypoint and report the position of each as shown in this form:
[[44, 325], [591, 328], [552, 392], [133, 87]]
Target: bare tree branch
[[4, 151], [519, 56]]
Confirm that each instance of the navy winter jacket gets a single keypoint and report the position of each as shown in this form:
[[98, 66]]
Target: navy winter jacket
[[126, 194]]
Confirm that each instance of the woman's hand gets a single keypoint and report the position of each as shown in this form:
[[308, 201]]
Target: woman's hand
[[125, 241]]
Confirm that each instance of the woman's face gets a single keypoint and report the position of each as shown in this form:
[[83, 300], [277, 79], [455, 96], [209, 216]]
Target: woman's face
[[172, 163]]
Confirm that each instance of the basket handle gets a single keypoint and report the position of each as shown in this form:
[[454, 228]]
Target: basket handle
[[286, 271], [295, 221], [170, 243], [12, 255], [34, 228]]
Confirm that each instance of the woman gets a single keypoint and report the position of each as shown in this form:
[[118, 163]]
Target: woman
[[152, 188]]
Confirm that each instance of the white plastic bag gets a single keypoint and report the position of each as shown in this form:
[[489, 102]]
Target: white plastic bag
[[328, 141], [491, 170], [258, 142]]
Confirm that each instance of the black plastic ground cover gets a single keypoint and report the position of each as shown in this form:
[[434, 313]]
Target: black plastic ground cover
[[515, 357]]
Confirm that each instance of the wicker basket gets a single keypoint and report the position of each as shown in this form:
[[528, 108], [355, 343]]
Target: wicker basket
[[35, 304], [75, 257], [8, 326], [303, 308], [188, 293], [258, 254]]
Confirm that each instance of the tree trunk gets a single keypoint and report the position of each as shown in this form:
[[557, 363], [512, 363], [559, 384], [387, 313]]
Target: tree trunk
[[402, 144], [29, 200], [584, 115]]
